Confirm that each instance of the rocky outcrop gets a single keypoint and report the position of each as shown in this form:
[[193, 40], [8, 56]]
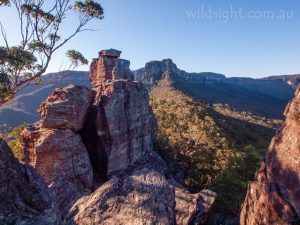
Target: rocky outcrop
[[66, 108], [143, 194], [274, 196], [124, 118], [104, 144], [25, 198], [59, 155], [143, 197]]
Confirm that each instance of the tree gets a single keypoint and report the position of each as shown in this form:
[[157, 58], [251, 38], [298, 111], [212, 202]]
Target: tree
[[41, 37]]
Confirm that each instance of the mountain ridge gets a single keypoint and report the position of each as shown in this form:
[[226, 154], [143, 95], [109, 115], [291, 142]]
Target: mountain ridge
[[240, 93]]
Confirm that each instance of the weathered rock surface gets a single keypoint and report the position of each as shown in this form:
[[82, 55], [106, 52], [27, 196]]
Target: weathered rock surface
[[59, 155], [123, 104], [193, 208], [274, 197], [66, 108], [24, 197], [61, 159], [101, 69], [142, 195]]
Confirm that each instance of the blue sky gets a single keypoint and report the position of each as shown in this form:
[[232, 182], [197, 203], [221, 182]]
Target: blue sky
[[237, 38]]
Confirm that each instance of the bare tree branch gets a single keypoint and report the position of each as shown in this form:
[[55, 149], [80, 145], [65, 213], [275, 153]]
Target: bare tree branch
[[3, 33]]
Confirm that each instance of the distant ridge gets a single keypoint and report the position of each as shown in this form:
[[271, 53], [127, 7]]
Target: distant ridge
[[264, 97]]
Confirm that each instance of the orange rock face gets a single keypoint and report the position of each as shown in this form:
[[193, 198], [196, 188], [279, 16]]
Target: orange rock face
[[53, 148], [274, 197], [125, 120], [66, 108]]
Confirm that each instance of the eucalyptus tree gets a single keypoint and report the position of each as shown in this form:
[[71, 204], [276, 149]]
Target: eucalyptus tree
[[41, 35]]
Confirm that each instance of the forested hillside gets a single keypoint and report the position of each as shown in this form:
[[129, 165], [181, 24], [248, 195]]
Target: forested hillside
[[217, 148]]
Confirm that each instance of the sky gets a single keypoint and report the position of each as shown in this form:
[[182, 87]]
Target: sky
[[254, 38]]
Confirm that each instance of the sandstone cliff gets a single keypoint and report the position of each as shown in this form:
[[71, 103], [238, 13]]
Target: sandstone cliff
[[274, 196], [95, 150]]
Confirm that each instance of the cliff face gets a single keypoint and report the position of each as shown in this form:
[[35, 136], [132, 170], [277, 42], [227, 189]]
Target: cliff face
[[274, 196], [124, 118], [155, 71], [95, 150]]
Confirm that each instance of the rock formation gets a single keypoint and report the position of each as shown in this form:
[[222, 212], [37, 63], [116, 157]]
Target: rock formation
[[55, 150], [66, 108], [102, 141], [155, 70], [25, 198], [143, 194], [274, 196], [124, 118]]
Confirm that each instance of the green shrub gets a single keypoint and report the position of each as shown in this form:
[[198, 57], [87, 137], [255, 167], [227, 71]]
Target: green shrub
[[13, 140]]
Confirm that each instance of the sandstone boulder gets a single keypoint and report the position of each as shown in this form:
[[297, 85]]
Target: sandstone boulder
[[61, 159], [144, 197], [66, 108], [25, 198], [193, 208], [143, 194]]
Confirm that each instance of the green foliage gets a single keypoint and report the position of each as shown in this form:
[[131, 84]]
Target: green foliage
[[76, 58], [16, 58], [219, 148], [231, 184], [90, 8], [13, 140], [4, 85], [41, 36]]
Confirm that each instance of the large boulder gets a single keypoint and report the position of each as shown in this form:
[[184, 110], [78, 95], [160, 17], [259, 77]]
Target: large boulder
[[144, 197], [66, 107], [61, 159], [274, 196], [25, 198], [143, 194]]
